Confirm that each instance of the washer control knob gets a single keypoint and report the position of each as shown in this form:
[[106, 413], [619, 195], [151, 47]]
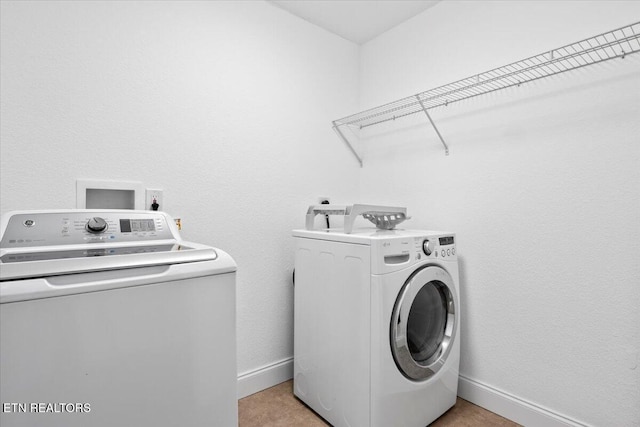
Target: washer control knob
[[427, 247], [96, 225]]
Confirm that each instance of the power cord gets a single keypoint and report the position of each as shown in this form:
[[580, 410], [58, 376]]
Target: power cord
[[326, 202]]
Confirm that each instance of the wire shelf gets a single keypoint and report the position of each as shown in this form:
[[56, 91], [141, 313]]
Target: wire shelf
[[603, 47]]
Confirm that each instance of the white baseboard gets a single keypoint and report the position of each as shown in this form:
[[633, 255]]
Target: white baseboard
[[511, 407], [267, 376], [492, 399]]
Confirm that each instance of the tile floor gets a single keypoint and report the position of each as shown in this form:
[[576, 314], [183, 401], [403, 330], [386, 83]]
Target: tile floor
[[277, 407]]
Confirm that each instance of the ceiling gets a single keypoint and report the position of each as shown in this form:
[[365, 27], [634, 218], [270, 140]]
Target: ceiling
[[356, 20]]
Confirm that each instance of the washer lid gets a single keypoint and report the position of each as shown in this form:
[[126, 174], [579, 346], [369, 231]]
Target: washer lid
[[81, 259]]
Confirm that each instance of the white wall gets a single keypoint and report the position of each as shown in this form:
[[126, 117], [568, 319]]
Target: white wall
[[225, 105], [543, 189]]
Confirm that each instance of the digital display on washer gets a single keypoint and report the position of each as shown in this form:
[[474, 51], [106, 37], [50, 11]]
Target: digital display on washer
[[86, 253], [448, 240], [136, 225]]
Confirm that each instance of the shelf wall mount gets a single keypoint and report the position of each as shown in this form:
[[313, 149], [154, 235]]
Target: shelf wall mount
[[618, 43]]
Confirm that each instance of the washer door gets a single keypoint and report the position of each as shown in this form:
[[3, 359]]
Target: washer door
[[423, 323]]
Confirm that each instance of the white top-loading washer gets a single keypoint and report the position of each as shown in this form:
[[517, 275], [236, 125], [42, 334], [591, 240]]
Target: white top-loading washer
[[109, 318]]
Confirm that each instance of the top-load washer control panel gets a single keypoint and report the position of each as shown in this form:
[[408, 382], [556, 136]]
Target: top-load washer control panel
[[33, 229]]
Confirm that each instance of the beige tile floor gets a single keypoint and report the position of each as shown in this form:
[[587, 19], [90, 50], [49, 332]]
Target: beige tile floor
[[277, 407]]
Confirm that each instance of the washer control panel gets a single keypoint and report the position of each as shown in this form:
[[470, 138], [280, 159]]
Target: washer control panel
[[438, 246], [30, 229]]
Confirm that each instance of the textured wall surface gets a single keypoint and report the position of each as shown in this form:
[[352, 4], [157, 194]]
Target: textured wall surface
[[542, 186], [225, 105]]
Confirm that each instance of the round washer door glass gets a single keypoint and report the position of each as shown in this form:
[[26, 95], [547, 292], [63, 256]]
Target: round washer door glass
[[423, 323]]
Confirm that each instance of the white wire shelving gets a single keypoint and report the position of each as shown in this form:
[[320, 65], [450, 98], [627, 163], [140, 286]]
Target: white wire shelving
[[613, 44]]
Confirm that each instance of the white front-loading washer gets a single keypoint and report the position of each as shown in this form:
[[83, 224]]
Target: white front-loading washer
[[376, 325]]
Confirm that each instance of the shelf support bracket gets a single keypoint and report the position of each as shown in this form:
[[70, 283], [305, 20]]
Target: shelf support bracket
[[346, 141], [446, 148]]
